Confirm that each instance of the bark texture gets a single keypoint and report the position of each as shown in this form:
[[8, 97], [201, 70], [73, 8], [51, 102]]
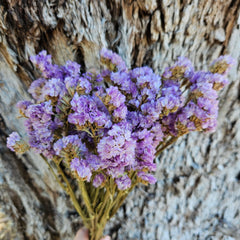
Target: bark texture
[[197, 195]]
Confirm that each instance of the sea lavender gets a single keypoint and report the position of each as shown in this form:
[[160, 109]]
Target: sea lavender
[[105, 130]]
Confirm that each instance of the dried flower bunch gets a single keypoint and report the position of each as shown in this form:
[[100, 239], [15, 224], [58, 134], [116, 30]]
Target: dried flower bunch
[[105, 130]]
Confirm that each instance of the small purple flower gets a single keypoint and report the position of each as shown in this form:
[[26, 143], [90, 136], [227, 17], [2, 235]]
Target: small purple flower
[[114, 58], [222, 65], [36, 89], [85, 84], [98, 180], [171, 97], [219, 81], [117, 98], [41, 60], [123, 182], [124, 82], [182, 68], [82, 169], [22, 106], [44, 63], [71, 142], [109, 125], [54, 88], [72, 69], [86, 111], [12, 140], [120, 112], [147, 177]]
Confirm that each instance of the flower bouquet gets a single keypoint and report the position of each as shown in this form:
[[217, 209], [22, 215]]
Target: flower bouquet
[[100, 133]]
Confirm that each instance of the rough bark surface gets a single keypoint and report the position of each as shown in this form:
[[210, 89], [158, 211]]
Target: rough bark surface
[[198, 190]]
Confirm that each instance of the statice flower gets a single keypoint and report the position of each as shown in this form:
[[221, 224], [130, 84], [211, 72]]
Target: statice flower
[[44, 63], [54, 87], [147, 81], [145, 150], [222, 65], [12, 140], [123, 182], [115, 61], [69, 145], [42, 60], [146, 177], [116, 97], [40, 127], [117, 148], [71, 69], [16, 144], [171, 97], [86, 112], [183, 68], [98, 180], [219, 81], [82, 168], [22, 107], [124, 82], [36, 89]]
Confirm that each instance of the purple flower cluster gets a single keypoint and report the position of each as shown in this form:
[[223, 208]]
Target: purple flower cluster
[[12, 140], [111, 125]]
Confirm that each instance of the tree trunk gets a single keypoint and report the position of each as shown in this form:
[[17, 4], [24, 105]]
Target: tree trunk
[[198, 189]]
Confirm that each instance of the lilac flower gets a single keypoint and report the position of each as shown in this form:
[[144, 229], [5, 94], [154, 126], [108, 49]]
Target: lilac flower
[[171, 97], [22, 106], [36, 89], [44, 63], [54, 88], [147, 177], [114, 59], [117, 149], [98, 180], [222, 65], [120, 112], [123, 182], [182, 68], [69, 144], [12, 140], [86, 110], [72, 69], [40, 126], [117, 98], [124, 82], [80, 166]]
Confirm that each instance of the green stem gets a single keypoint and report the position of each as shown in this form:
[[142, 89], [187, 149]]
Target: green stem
[[72, 195], [106, 198], [86, 198], [54, 174], [168, 143], [95, 198]]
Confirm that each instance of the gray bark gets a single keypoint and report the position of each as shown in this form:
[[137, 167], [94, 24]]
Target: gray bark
[[197, 193]]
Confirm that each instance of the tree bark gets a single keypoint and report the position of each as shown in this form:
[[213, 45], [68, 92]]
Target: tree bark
[[197, 193]]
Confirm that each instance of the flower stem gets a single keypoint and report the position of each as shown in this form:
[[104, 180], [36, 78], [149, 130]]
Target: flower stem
[[86, 198], [67, 188], [168, 143], [52, 171]]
